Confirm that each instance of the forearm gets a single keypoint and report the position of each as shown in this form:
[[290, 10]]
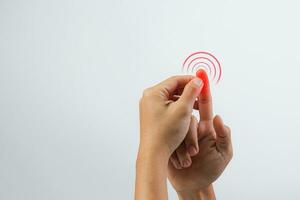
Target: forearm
[[204, 194], [151, 177]]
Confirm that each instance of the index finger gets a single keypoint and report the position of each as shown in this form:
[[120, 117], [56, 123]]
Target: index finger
[[205, 99]]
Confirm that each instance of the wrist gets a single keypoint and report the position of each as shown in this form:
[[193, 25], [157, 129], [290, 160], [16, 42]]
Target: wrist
[[153, 152], [151, 174], [206, 193]]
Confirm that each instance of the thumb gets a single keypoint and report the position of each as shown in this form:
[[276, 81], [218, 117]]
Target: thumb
[[223, 136], [191, 92]]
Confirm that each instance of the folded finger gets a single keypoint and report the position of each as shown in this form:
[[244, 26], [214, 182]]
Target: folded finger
[[183, 156], [191, 139]]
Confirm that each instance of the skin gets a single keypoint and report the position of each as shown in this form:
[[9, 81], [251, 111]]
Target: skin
[[174, 145]]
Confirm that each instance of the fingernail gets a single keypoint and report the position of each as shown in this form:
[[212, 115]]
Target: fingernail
[[198, 82], [192, 150]]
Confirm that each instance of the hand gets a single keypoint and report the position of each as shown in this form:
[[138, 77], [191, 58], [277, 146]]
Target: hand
[[164, 123], [214, 151]]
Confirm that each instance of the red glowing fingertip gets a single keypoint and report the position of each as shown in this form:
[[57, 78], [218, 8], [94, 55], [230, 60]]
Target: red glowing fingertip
[[203, 76], [205, 61]]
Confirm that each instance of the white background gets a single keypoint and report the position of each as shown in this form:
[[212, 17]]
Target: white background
[[72, 72]]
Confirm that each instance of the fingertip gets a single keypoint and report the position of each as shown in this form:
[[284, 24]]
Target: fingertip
[[175, 162], [184, 157], [201, 74], [218, 120], [204, 97], [197, 82], [194, 88], [190, 93], [192, 150], [186, 162], [219, 126]]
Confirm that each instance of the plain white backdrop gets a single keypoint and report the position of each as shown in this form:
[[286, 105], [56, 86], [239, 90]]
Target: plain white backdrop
[[72, 73]]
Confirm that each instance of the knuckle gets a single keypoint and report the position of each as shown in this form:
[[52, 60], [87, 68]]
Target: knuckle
[[206, 129], [147, 92], [210, 130], [173, 77], [223, 140]]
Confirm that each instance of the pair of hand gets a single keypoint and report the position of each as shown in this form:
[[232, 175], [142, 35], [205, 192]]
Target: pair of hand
[[193, 153]]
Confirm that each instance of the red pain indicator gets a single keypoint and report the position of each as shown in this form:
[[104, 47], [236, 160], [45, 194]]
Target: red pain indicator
[[205, 61]]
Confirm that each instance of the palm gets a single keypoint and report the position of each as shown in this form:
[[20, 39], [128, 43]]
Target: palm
[[206, 166]]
